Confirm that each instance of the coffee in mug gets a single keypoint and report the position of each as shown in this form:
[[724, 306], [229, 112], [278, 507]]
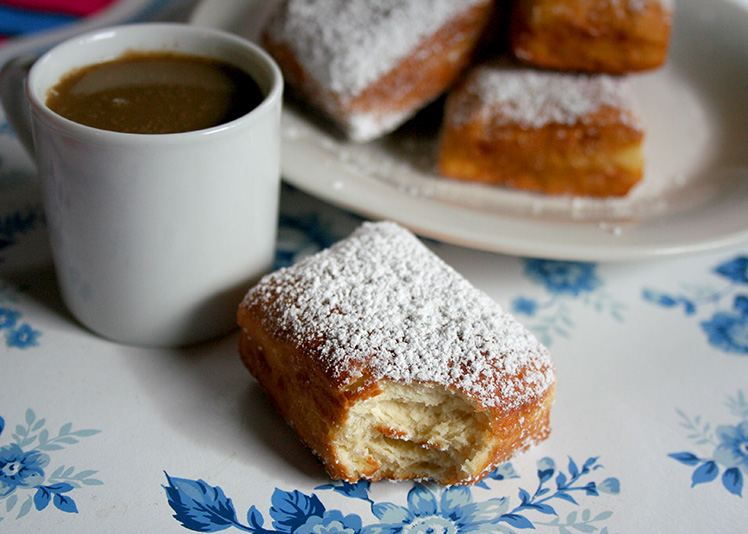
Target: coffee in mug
[[155, 93], [155, 237]]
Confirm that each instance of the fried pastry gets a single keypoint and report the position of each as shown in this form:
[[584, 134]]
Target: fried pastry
[[390, 365], [371, 65], [541, 131], [611, 36]]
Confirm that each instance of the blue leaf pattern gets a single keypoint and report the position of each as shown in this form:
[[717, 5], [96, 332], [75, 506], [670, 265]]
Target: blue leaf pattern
[[726, 325], [291, 510], [428, 508], [566, 282], [687, 458], [42, 497], [729, 444], [358, 490], [198, 506], [65, 503], [24, 468], [706, 472], [255, 519], [732, 480]]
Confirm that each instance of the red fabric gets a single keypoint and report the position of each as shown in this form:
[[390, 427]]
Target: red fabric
[[80, 8]]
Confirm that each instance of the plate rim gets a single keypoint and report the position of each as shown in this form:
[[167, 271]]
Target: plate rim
[[343, 187]]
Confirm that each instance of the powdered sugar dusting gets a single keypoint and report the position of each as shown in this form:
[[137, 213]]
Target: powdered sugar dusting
[[381, 302], [532, 98], [346, 45]]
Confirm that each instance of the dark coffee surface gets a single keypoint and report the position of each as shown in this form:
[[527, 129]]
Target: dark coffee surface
[[155, 93]]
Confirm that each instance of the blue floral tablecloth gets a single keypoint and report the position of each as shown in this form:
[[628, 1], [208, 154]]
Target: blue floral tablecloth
[[650, 426]]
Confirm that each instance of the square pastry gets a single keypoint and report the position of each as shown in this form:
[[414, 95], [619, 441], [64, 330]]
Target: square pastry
[[542, 131], [390, 365], [369, 66], [612, 36]]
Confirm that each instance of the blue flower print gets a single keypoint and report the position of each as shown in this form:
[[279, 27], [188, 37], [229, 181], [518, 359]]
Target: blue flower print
[[524, 306], [669, 301], [726, 328], [735, 270], [733, 448], [430, 509], [26, 483], [565, 282], [20, 469], [455, 511], [17, 335], [561, 277], [452, 512], [730, 442], [304, 229], [8, 317], [22, 337], [331, 522]]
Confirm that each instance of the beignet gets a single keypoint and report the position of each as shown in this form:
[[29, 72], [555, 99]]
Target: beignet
[[611, 36], [542, 131], [371, 65], [390, 365]]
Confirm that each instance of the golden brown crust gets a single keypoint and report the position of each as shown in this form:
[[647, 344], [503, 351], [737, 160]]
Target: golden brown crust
[[331, 406], [597, 153], [298, 387], [590, 35], [417, 78], [541, 161], [386, 371], [293, 384], [305, 398]]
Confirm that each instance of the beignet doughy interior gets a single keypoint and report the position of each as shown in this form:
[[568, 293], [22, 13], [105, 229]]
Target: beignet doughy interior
[[390, 365]]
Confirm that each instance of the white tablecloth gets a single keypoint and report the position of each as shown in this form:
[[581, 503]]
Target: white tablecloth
[[650, 425]]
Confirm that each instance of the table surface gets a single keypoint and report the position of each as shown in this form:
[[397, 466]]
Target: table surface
[[650, 425]]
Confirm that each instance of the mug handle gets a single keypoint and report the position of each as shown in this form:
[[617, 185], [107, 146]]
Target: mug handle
[[13, 97]]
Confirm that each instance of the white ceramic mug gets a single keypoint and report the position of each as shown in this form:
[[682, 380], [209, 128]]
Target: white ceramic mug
[[155, 238]]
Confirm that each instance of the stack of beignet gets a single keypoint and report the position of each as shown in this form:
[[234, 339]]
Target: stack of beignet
[[390, 365], [370, 66], [571, 128]]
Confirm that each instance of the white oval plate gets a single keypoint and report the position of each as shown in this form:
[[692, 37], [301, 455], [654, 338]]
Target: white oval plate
[[694, 196]]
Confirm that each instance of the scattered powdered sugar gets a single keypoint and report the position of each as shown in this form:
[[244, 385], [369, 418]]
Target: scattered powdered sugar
[[627, 6], [362, 126], [640, 5], [503, 95], [345, 45], [380, 302]]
